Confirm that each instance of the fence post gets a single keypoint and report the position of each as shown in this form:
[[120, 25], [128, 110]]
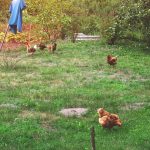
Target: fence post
[[93, 138]]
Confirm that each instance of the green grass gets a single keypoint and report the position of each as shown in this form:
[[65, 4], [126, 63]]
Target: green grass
[[77, 75]]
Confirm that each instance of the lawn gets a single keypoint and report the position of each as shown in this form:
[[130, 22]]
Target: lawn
[[77, 75]]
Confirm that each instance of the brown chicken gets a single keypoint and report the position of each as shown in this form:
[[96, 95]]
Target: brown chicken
[[112, 60], [115, 121], [104, 121], [108, 120], [42, 46], [52, 47], [102, 112], [30, 49]]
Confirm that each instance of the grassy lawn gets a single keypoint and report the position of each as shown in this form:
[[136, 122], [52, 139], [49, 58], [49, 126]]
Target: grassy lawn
[[77, 75]]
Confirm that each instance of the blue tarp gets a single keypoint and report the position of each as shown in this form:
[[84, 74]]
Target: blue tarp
[[15, 21]]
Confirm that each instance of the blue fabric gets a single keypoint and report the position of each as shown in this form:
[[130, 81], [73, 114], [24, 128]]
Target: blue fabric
[[15, 21]]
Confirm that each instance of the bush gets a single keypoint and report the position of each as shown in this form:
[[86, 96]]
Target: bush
[[4, 10], [132, 21]]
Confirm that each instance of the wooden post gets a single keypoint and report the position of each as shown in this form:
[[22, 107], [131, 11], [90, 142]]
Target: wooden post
[[4, 37], [29, 38], [92, 138]]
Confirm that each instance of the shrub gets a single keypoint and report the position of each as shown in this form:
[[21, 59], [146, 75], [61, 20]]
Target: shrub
[[132, 21]]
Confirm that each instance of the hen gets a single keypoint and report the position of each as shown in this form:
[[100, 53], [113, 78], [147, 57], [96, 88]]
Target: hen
[[52, 47], [115, 121], [102, 112], [42, 46], [30, 49], [111, 60], [108, 120]]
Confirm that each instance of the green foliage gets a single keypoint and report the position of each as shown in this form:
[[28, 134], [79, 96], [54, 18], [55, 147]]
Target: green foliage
[[90, 25], [113, 19], [131, 17], [54, 17], [20, 37], [4, 10]]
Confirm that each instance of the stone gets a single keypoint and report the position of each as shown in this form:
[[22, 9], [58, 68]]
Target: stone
[[70, 112]]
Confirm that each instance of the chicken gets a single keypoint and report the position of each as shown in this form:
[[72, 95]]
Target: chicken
[[111, 60], [42, 46], [115, 121], [104, 121], [102, 112], [30, 49], [108, 120], [52, 47]]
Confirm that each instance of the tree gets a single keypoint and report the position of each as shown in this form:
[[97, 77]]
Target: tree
[[133, 20], [55, 16]]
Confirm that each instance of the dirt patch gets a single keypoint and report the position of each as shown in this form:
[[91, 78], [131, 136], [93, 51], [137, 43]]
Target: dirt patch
[[32, 75], [11, 106], [46, 118], [77, 62], [41, 115], [48, 64], [57, 83], [102, 74], [70, 112], [121, 75], [47, 126], [134, 106]]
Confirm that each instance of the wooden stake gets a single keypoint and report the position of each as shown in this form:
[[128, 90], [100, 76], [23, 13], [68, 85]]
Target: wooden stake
[[4, 37], [93, 138], [29, 38]]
